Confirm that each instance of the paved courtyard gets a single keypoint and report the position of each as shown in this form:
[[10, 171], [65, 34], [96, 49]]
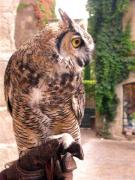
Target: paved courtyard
[[104, 159]]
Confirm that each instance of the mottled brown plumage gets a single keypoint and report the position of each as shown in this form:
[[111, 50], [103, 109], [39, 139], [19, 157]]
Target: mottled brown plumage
[[43, 83]]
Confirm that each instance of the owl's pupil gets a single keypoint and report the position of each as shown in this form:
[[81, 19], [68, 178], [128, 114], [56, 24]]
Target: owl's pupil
[[77, 42]]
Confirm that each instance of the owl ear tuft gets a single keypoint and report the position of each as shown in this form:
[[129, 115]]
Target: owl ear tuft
[[65, 18]]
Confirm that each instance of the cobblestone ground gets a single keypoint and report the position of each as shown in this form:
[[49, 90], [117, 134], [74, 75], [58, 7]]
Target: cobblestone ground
[[104, 159]]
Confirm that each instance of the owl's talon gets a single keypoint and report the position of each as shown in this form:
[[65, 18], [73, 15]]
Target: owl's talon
[[68, 144], [76, 150]]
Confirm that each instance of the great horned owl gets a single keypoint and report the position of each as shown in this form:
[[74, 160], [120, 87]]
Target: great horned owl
[[43, 84]]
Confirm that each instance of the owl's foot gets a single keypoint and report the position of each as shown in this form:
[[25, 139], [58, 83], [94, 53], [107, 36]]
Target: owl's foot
[[68, 144]]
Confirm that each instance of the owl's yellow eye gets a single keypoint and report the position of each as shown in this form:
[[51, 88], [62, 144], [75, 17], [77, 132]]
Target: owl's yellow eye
[[76, 42]]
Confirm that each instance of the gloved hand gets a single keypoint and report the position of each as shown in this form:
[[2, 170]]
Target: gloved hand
[[45, 162]]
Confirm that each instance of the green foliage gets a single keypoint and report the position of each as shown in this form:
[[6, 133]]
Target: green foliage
[[87, 73], [105, 131], [133, 116], [113, 49], [21, 6], [131, 66], [45, 10], [89, 87]]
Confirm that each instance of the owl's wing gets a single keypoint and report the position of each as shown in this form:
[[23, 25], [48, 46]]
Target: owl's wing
[[78, 103]]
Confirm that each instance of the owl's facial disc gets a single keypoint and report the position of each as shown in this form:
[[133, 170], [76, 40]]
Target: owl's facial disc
[[74, 42], [82, 48]]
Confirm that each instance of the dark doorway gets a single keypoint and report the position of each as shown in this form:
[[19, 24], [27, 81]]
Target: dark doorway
[[129, 108], [89, 118]]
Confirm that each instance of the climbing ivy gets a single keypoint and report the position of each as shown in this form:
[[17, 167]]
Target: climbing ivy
[[44, 10], [89, 86], [87, 72], [113, 47]]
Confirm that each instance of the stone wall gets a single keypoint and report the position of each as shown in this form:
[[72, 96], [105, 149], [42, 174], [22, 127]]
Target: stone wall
[[7, 24], [16, 26], [8, 150], [7, 43]]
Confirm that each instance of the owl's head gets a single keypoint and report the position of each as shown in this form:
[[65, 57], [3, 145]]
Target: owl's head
[[74, 41]]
